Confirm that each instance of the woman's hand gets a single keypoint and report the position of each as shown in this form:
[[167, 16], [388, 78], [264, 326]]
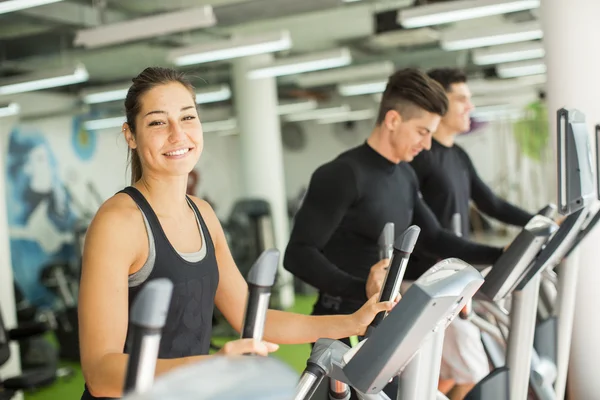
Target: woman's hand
[[363, 317], [248, 346]]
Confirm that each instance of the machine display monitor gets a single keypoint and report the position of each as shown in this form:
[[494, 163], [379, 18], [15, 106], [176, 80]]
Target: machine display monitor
[[576, 169]]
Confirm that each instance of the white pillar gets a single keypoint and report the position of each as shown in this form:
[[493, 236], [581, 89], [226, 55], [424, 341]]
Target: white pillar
[[7, 295], [570, 32], [261, 153]]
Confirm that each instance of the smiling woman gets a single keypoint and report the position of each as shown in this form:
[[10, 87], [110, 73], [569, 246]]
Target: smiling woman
[[152, 229]]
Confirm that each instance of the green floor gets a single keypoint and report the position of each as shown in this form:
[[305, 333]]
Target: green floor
[[295, 355]]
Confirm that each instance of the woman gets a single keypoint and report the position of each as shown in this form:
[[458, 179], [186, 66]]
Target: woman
[[151, 230]]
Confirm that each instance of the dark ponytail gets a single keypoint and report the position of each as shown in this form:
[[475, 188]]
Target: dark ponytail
[[146, 80]]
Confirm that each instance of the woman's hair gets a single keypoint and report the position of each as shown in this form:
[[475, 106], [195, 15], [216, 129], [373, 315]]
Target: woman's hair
[[145, 81]]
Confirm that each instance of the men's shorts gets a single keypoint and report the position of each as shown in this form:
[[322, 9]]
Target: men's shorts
[[463, 359]]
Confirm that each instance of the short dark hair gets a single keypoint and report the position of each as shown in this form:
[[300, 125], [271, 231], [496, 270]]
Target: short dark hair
[[410, 91], [145, 81], [447, 76]]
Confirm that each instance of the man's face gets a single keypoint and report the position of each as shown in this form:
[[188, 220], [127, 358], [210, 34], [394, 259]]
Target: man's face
[[457, 119], [410, 137]]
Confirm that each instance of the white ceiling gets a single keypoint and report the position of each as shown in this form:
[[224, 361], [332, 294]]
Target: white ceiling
[[42, 37]]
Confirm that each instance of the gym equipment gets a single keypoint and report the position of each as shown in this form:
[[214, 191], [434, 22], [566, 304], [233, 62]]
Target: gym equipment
[[557, 301], [225, 378], [576, 192], [502, 281], [431, 303], [399, 255], [390, 288], [59, 279], [32, 378], [401, 249], [250, 232], [260, 280], [149, 313], [147, 319]]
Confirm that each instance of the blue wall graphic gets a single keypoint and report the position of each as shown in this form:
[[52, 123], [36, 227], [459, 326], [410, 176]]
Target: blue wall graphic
[[40, 214]]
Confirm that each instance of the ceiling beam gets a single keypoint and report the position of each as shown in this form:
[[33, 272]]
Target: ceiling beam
[[77, 15]]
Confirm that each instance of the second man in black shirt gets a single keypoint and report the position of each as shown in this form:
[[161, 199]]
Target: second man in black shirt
[[333, 244]]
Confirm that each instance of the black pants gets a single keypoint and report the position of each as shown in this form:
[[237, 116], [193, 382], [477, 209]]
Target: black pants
[[322, 392]]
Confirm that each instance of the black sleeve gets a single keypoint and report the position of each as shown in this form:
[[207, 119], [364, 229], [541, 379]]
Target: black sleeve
[[445, 244], [492, 205], [333, 188], [421, 165]]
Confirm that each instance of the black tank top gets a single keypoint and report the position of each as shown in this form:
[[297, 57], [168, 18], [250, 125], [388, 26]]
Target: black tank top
[[188, 327]]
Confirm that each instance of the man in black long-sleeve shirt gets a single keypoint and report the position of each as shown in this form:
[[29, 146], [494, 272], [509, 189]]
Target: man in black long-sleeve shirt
[[448, 181], [333, 244]]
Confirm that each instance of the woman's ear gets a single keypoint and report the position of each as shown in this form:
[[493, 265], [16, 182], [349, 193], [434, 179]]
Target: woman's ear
[[129, 137]]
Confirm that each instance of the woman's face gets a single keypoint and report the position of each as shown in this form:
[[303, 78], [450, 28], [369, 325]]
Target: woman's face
[[39, 170], [168, 135]]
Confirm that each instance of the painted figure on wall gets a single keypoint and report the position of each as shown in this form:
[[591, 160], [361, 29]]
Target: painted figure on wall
[[40, 215]]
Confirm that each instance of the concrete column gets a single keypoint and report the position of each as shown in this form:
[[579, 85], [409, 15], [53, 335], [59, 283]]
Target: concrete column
[[261, 154], [570, 31]]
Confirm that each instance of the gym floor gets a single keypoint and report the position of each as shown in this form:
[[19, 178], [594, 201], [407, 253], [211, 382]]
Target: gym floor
[[71, 389]]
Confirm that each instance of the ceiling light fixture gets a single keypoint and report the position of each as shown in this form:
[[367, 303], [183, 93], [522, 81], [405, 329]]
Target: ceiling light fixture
[[44, 80], [461, 10], [146, 27], [508, 53], [491, 36], [304, 63], [8, 6], [229, 49]]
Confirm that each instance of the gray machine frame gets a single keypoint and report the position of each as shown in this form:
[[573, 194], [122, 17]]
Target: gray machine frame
[[557, 308], [525, 367], [430, 304]]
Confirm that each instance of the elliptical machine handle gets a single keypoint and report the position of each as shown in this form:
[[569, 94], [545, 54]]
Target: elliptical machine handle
[[403, 248]]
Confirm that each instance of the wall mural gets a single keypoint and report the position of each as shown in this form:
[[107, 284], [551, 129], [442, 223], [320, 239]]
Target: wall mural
[[41, 215]]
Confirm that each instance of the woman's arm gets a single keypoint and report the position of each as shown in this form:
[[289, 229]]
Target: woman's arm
[[280, 327], [110, 251]]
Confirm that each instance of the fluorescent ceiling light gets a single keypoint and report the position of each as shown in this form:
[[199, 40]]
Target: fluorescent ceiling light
[[7, 110], [305, 63], [229, 49], [508, 53], [318, 113], [46, 80], [491, 36], [356, 89], [520, 98], [146, 27], [497, 112], [211, 94], [296, 107], [487, 86], [7, 6], [352, 73], [461, 10], [521, 68], [359, 115], [104, 123], [105, 94]]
